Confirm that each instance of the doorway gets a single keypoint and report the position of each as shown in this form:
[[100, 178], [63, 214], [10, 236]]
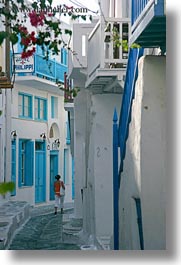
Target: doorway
[[53, 171]]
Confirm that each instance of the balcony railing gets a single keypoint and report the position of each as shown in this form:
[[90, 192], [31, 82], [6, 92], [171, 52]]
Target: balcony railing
[[148, 23], [102, 50], [50, 69], [137, 8]]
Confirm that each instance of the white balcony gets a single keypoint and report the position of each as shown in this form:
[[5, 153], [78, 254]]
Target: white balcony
[[106, 64], [77, 64]]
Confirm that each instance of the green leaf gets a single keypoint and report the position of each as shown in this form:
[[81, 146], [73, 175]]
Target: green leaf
[[83, 17], [34, 5], [13, 38], [69, 32], [3, 36], [50, 2], [42, 4]]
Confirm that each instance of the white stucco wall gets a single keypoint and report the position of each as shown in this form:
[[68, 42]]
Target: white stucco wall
[[93, 161], [101, 133], [81, 132], [144, 174]]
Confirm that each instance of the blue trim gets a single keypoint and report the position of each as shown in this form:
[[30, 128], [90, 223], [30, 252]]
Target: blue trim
[[52, 107], [29, 163], [13, 165], [68, 133], [20, 163]]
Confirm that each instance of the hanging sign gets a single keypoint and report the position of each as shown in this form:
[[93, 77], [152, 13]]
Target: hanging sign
[[25, 65]]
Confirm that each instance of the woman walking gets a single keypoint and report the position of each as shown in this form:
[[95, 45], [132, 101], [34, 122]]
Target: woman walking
[[59, 190]]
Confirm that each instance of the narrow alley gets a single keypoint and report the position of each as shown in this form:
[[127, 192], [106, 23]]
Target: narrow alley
[[44, 230]]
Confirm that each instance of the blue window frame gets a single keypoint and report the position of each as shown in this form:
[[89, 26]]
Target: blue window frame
[[40, 109], [25, 106], [26, 162]]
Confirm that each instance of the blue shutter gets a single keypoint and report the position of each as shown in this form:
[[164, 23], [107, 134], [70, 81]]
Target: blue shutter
[[29, 164], [13, 165], [31, 107], [52, 107], [68, 133], [20, 162], [45, 109]]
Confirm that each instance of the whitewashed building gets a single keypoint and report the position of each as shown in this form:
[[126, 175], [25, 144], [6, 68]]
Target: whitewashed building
[[98, 69], [120, 200], [36, 126], [142, 140]]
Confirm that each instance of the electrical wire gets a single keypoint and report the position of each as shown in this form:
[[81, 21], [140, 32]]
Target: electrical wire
[[102, 13], [83, 6]]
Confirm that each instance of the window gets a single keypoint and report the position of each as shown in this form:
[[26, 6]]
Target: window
[[83, 45], [40, 109], [25, 105], [54, 107], [26, 159]]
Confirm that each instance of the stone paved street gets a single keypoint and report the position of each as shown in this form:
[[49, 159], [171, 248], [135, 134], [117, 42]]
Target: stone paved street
[[46, 231]]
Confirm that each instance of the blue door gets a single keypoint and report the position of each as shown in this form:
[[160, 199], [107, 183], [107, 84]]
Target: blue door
[[13, 165], [40, 172], [53, 171]]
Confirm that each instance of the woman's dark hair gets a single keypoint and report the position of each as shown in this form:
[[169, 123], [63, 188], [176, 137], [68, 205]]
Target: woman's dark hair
[[57, 177]]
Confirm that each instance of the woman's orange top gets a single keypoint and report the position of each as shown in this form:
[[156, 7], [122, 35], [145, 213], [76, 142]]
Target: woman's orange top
[[57, 185]]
